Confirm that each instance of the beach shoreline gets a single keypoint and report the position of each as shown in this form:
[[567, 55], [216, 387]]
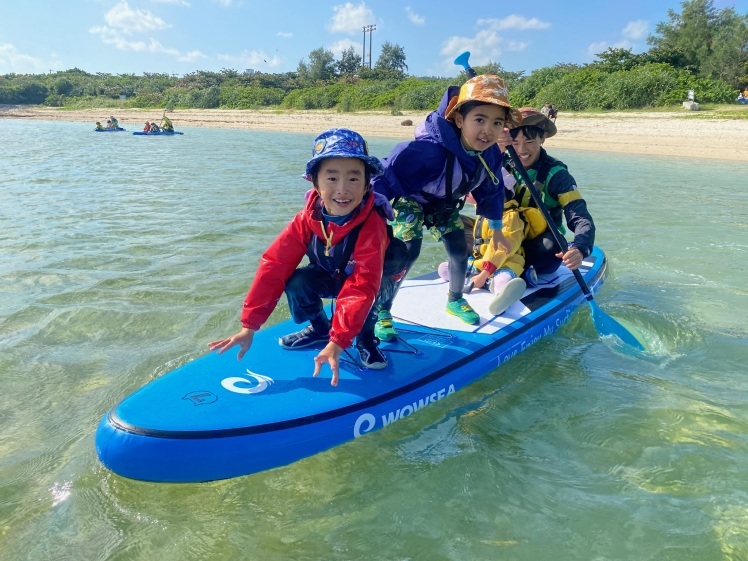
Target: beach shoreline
[[673, 133]]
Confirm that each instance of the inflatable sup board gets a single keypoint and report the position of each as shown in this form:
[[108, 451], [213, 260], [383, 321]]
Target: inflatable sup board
[[216, 417]]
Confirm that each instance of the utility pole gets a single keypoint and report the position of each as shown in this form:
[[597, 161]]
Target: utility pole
[[371, 28], [363, 55]]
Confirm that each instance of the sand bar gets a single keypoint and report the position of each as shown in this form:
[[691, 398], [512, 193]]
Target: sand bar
[[677, 133]]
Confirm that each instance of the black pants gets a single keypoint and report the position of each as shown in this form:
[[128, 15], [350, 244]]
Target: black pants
[[457, 252], [309, 285], [540, 252]]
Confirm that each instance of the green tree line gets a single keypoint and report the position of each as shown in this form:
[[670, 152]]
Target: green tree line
[[699, 48]]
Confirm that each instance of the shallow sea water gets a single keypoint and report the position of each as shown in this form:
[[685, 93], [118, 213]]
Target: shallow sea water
[[122, 256]]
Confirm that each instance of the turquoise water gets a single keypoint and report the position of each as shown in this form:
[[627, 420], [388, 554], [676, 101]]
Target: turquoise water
[[122, 256]]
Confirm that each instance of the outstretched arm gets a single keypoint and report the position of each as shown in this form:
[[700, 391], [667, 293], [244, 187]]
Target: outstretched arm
[[243, 339], [330, 355]]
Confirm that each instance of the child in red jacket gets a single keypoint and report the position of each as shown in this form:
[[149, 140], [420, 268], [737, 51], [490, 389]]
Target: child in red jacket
[[345, 238]]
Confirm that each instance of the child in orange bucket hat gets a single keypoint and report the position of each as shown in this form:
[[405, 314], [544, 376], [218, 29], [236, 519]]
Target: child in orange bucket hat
[[454, 154]]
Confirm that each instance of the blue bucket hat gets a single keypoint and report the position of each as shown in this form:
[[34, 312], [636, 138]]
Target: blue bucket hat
[[342, 143]]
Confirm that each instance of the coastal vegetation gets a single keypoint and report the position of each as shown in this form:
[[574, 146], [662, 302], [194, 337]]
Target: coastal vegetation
[[700, 49]]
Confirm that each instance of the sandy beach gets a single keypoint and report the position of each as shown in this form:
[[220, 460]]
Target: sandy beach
[[676, 133]]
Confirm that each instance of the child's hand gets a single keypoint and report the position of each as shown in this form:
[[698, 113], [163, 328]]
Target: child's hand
[[243, 339], [330, 355], [499, 239], [479, 280]]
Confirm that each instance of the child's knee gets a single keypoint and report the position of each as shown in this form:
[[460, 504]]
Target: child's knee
[[296, 281]]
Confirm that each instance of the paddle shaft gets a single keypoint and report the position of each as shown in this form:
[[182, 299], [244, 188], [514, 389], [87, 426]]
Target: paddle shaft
[[603, 322], [560, 241], [536, 196]]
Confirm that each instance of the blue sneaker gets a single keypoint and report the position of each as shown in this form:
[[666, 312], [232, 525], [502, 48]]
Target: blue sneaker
[[462, 310], [304, 338]]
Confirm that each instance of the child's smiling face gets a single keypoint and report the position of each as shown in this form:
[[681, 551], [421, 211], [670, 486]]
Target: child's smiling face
[[341, 183], [481, 127]]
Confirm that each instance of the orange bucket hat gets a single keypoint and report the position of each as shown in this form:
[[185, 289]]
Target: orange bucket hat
[[487, 88]]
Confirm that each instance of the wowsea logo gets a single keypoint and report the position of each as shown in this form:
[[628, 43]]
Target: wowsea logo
[[252, 383]]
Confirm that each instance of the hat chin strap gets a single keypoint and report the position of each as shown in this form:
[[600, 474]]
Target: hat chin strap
[[479, 155], [472, 151]]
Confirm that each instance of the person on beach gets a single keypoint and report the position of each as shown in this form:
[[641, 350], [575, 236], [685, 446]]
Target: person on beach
[[343, 231], [454, 153], [546, 108], [560, 195], [553, 113]]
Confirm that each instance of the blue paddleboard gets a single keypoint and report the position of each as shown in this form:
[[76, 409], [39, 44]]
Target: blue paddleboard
[[216, 417]]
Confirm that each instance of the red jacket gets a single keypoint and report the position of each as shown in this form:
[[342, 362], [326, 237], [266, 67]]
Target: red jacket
[[356, 297]]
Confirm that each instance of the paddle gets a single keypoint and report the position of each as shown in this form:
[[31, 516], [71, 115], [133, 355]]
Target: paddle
[[604, 324]]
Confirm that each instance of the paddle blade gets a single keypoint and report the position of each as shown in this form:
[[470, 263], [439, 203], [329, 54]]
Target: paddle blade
[[606, 325], [462, 60]]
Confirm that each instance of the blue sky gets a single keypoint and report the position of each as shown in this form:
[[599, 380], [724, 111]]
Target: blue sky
[[183, 36]]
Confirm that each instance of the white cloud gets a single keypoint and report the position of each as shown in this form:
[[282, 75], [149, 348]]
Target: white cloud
[[348, 18], [636, 30], [252, 59], [513, 21], [110, 36], [126, 20], [338, 47], [414, 17], [174, 2], [229, 3], [486, 46], [284, 34], [191, 56], [516, 46], [123, 22], [155, 46], [16, 61], [601, 46]]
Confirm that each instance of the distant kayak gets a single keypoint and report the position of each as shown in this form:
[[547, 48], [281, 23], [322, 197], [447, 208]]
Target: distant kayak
[[118, 129], [159, 133]]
